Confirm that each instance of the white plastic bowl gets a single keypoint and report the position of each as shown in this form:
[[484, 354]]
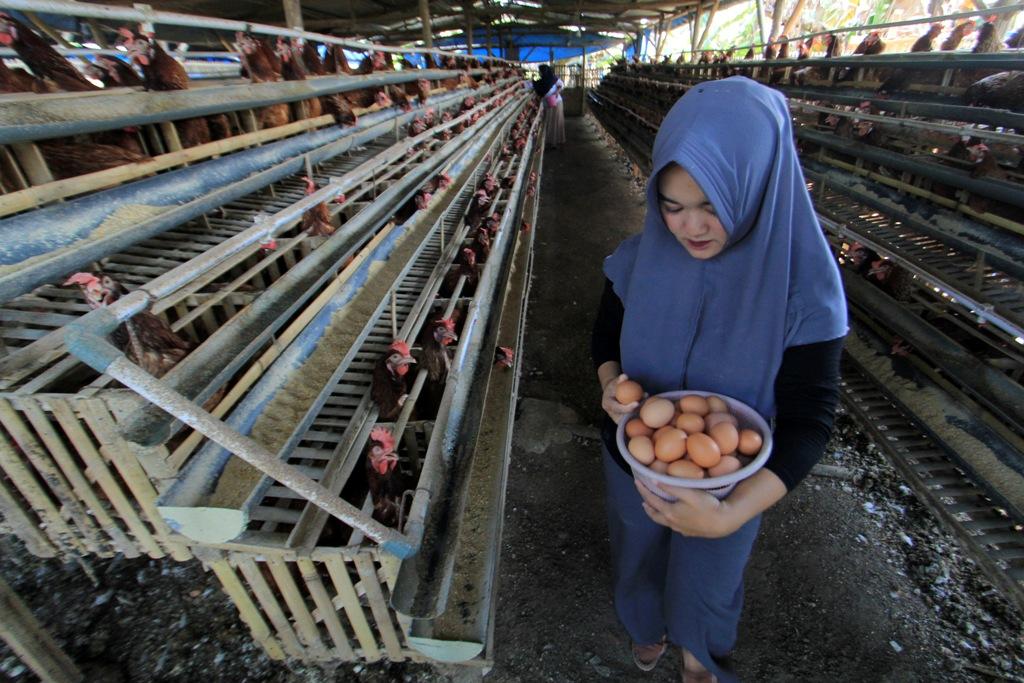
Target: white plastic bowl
[[719, 487]]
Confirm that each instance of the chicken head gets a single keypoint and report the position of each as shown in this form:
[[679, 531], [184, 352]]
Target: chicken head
[[383, 457], [444, 331], [399, 358], [8, 30]]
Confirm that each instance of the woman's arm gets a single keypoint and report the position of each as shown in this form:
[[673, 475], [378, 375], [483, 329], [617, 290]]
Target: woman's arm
[[806, 395], [604, 348]]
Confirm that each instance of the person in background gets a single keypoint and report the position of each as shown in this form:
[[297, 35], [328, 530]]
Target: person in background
[[549, 88], [730, 288]]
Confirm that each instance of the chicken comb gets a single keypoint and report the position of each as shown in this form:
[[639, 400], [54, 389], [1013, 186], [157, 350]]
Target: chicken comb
[[127, 34], [447, 322], [400, 346], [86, 279], [383, 436]]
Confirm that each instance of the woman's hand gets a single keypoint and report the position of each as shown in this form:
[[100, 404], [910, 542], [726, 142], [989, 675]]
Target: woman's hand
[[616, 411], [694, 513]]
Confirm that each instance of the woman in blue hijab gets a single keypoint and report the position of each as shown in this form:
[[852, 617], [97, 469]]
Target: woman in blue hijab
[[730, 288]]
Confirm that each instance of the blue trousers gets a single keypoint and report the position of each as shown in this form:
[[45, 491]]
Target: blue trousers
[[665, 583]]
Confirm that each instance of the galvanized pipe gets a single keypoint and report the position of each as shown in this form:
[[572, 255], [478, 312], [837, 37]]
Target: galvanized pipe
[[51, 242], [423, 581], [1000, 190], [8, 53], [115, 14], [28, 117]]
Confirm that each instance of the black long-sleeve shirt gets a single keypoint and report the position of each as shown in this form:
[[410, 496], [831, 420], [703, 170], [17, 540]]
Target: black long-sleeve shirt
[[806, 394]]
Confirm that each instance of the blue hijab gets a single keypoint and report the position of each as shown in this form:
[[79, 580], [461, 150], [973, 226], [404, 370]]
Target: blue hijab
[[722, 324]]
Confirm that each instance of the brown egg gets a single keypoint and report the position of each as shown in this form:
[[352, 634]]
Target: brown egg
[[715, 418], [750, 442], [671, 446], [659, 466], [641, 448], [691, 423], [685, 469], [657, 412], [694, 404], [717, 405], [636, 427], [659, 432], [703, 450], [727, 465], [726, 436], [628, 391]]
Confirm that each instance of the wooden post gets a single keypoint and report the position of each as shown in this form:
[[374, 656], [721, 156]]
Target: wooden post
[[489, 52], [759, 8], [583, 70], [469, 29], [428, 36], [30, 641], [293, 14]]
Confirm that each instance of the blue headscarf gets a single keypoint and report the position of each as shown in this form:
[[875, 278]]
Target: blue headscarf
[[723, 323]]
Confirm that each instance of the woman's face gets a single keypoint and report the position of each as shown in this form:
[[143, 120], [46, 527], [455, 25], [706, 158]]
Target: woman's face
[[689, 215]]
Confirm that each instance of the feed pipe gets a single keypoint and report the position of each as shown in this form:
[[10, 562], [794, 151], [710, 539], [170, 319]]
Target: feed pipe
[[45, 245], [217, 359], [424, 580], [875, 27], [114, 14], [204, 470], [1001, 61], [32, 117], [8, 53], [1010, 193], [1001, 251], [999, 392]]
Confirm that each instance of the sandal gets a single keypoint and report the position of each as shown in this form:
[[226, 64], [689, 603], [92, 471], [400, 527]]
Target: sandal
[[646, 657], [693, 674]]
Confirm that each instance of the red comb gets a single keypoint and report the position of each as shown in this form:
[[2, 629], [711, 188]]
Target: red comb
[[401, 347], [82, 279], [383, 436]]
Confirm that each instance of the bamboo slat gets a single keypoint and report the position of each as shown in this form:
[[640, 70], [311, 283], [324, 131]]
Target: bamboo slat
[[247, 610], [32, 162], [33, 452], [45, 190], [350, 601], [31, 642], [18, 522], [306, 627], [81, 487], [97, 470], [325, 608], [379, 606], [116, 450], [269, 603]]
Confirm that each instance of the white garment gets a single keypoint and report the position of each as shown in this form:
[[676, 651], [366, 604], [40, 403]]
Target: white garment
[[556, 90]]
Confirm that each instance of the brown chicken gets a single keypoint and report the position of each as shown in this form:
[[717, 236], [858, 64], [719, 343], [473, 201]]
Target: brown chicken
[[479, 207], [44, 61], [482, 244], [259, 62], [145, 338], [161, 72], [311, 58], [504, 356], [385, 481], [899, 79], [388, 388], [67, 159], [19, 80], [956, 36], [436, 339], [114, 73], [293, 69], [988, 39], [1004, 90], [465, 265], [924, 43], [317, 220]]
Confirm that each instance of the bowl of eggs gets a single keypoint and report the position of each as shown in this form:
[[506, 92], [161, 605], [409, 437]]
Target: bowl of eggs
[[691, 439]]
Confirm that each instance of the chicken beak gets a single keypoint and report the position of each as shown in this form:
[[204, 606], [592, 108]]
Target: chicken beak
[[447, 337]]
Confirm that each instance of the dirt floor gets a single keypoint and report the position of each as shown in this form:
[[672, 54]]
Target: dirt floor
[[851, 579]]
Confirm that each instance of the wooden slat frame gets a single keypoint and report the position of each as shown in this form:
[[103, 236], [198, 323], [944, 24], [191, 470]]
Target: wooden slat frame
[[268, 602], [33, 452], [116, 450], [18, 522], [81, 487], [305, 625], [370, 583], [325, 608], [338, 571], [247, 610], [99, 472]]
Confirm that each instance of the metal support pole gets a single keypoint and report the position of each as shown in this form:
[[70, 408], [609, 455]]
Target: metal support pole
[[428, 37], [293, 14], [760, 20], [469, 28]]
